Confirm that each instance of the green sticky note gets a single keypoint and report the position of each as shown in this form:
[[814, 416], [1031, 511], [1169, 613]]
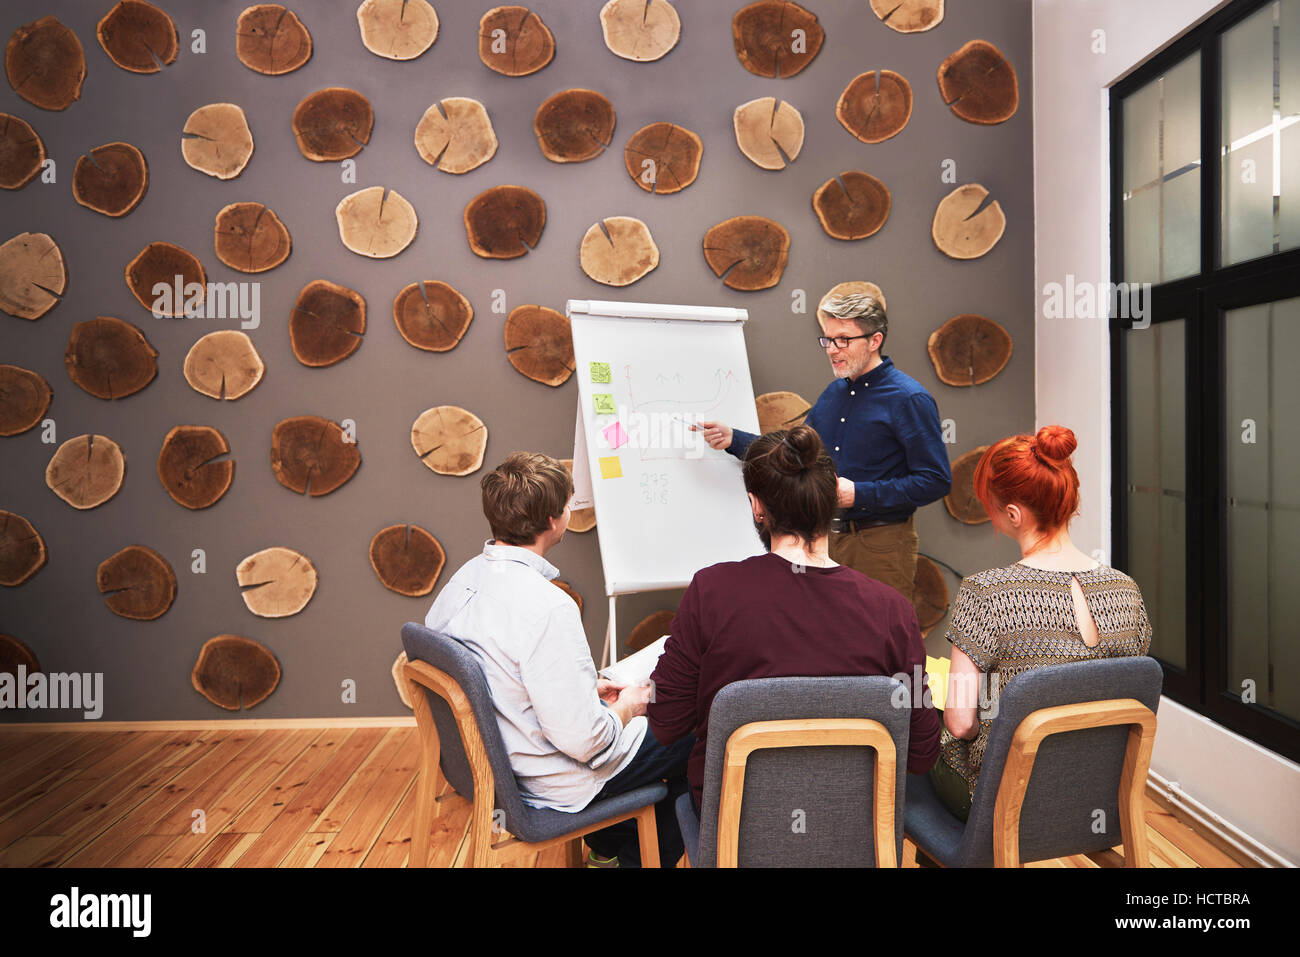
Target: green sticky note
[[604, 403], [600, 372]]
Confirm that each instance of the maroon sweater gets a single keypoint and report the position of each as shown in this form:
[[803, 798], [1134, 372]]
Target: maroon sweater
[[759, 619]]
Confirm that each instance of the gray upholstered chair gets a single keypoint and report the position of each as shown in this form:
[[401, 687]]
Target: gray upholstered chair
[[1063, 773], [801, 772], [462, 745]]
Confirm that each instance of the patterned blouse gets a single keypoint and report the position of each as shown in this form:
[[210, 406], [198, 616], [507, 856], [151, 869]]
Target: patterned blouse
[[1008, 620]]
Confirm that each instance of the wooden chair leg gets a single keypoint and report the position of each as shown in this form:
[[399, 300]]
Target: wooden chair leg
[[573, 853], [909, 853], [647, 836], [480, 835], [425, 804]]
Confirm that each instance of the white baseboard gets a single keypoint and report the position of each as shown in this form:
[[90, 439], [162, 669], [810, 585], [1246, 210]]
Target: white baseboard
[[1204, 819]]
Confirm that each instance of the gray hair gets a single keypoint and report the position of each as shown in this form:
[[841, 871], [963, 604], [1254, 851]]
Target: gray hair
[[863, 308]]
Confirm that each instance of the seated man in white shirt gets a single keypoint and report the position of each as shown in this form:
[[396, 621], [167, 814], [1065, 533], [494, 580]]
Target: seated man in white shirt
[[572, 738]]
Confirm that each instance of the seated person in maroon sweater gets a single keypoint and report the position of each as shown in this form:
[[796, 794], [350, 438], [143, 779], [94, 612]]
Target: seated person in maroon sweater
[[792, 612]]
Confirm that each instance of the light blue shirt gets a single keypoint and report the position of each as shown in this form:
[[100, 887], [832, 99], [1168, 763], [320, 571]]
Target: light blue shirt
[[563, 742]]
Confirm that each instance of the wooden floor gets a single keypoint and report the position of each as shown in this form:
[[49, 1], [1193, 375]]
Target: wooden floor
[[310, 797]]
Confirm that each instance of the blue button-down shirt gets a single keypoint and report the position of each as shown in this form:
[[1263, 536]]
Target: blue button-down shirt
[[882, 431]]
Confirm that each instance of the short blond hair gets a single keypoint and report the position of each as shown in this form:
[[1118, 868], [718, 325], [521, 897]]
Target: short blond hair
[[523, 494], [862, 308]]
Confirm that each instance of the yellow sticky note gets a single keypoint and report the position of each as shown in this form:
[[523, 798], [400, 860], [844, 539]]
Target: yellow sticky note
[[600, 372], [604, 403], [610, 467], [936, 669]]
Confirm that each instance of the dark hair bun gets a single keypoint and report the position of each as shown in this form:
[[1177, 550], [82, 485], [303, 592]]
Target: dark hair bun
[[1056, 442], [798, 451]]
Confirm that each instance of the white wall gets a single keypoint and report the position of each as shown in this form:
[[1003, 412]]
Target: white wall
[[1072, 238]]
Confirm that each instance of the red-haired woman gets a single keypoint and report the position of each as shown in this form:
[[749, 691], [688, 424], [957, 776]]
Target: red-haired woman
[[1053, 606]]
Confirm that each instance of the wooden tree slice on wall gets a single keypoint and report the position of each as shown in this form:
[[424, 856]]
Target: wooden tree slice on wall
[[311, 455], [456, 135], [407, 559], [962, 502], [539, 344], [22, 550], [618, 251], [333, 124], [854, 288], [853, 206], [137, 36], [32, 275], [251, 238], [909, 16], [962, 233], [14, 653], [432, 315], [224, 365], [574, 125], [137, 583], [640, 30], [580, 519], [449, 440], [327, 323], [232, 670], [768, 132], [189, 466], [780, 410], [747, 252], [649, 630], [979, 84], [376, 223], [397, 29], [270, 39], [663, 157], [217, 141], [276, 582], [504, 222], [110, 358], [45, 64], [773, 38], [514, 41], [86, 471], [24, 399], [874, 107], [162, 263], [969, 350], [111, 179], [930, 599], [21, 152], [570, 591]]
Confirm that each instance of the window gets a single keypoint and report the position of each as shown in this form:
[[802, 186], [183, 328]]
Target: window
[[1205, 169]]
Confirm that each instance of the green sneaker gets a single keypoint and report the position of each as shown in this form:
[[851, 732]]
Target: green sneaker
[[595, 860]]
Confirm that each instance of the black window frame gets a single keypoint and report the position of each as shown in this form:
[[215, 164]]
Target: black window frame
[[1201, 300]]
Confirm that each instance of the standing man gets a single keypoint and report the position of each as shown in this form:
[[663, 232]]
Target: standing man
[[881, 429]]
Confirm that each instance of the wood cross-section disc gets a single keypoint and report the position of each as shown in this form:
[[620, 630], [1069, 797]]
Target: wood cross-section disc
[[45, 64], [86, 471], [979, 84], [969, 350], [640, 30], [456, 135], [270, 39], [962, 502], [780, 410], [333, 124], [962, 233], [138, 37], [909, 16], [232, 670], [580, 519], [22, 550], [432, 315], [574, 125], [276, 582], [224, 365], [774, 38], [768, 132], [747, 252], [311, 455], [375, 222], [407, 559], [663, 158], [539, 344], [110, 358], [930, 598], [649, 630], [24, 399], [137, 583], [327, 323], [874, 107], [514, 41], [13, 653], [161, 263], [111, 179], [32, 275], [251, 238], [449, 440], [504, 222], [22, 153], [189, 466], [618, 251], [217, 141], [397, 29], [853, 206]]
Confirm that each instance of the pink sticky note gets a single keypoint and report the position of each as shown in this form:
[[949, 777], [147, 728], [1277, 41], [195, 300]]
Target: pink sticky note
[[615, 435]]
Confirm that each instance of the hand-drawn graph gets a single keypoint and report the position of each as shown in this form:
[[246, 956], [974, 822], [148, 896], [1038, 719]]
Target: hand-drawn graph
[[664, 402]]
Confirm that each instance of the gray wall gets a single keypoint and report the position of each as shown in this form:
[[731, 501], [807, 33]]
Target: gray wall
[[350, 629]]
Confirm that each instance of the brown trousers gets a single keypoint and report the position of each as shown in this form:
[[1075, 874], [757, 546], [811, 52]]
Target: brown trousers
[[886, 553]]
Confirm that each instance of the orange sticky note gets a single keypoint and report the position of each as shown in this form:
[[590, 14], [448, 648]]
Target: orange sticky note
[[610, 467]]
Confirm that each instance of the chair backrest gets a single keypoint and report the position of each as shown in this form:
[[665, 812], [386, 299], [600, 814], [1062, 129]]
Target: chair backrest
[[1071, 803], [458, 662], [803, 806]]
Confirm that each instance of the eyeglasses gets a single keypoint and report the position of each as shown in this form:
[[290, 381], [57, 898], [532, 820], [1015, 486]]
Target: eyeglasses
[[841, 342]]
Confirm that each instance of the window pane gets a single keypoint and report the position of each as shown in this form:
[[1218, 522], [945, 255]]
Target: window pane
[[1262, 379], [1155, 481]]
